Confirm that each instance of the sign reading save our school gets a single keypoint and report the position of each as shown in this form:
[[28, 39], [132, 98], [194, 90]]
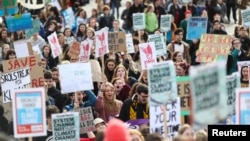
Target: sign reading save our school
[[212, 46], [29, 113]]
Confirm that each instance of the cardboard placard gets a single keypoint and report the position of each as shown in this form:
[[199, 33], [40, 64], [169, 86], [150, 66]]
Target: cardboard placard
[[117, 41], [212, 46]]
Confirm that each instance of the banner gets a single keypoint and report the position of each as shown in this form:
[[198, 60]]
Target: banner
[[173, 118], [196, 26], [117, 41], [29, 116], [65, 126], [162, 82], [75, 77], [19, 22], [86, 120], [233, 82], [166, 22], [209, 95], [19, 79], [213, 45], [147, 53], [138, 21], [184, 92], [33, 4], [160, 46], [54, 44], [101, 45]]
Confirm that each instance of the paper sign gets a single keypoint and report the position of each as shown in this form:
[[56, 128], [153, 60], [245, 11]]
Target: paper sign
[[245, 17], [129, 43], [209, 93], [55, 46], [69, 18], [160, 46], [243, 106], [75, 77], [196, 26], [85, 50], [22, 49], [213, 45], [162, 82], [166, 22], [240, 64], [148, 54], [101, 45], [117, 41], [233, 82], [29, 113], [86, 120], [138, 21], [173, 118], [20, 22], [36, 28], [33, 4], [19, 79], [56, 4], [65, 126], [184, 92]]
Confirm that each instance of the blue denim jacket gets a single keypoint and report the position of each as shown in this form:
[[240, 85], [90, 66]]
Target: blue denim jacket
[[90, 102]]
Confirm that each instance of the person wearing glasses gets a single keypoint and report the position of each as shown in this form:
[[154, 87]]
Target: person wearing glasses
[[136, 107]]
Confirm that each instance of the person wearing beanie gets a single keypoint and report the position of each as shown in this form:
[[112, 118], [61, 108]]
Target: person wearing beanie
[[117, 131]]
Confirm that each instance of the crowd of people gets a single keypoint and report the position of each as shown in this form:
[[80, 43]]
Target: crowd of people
[[124, 93]]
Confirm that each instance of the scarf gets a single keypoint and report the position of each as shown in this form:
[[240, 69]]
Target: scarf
[[133, 110]]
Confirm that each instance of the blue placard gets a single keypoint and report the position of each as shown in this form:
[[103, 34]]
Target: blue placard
[[12, 10], [196, 26], [22, 22], [31, 115], [2, 12]]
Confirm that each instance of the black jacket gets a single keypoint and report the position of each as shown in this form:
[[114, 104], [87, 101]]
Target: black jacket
[[56, 94], [125, 110]]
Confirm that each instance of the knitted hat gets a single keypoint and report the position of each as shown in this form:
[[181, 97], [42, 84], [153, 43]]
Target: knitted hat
[[116, 131]]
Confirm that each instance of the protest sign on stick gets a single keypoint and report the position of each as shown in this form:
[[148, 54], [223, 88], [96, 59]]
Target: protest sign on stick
[[29, 113], [65, 126]]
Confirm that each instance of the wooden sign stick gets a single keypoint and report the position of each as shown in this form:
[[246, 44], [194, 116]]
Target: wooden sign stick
[[139, 36], [165, 121], [30, 139]]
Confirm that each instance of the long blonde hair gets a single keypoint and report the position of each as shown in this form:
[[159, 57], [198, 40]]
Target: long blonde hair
[[111, 104]]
